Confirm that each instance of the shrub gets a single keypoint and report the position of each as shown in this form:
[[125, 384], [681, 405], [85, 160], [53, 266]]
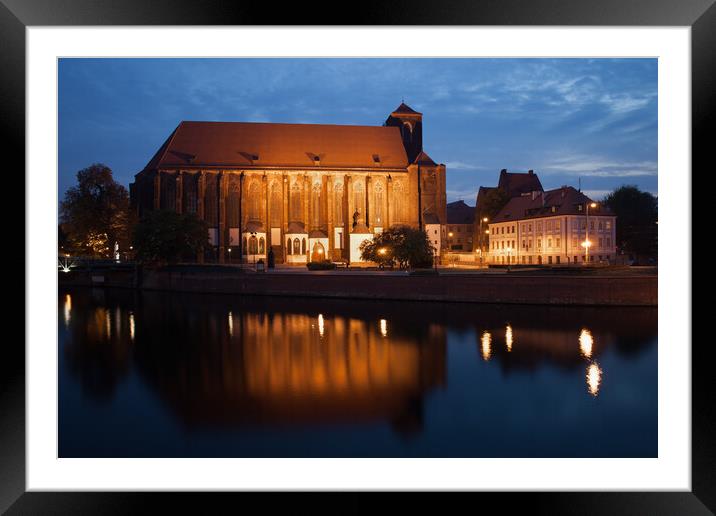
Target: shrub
[[325, 265]]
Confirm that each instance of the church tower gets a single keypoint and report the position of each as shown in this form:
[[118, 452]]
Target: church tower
[[410, 123]]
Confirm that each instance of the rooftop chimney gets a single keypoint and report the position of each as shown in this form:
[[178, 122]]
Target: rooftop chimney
[[531, 172]]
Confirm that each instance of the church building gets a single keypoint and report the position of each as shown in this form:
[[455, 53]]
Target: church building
[[308, 192]]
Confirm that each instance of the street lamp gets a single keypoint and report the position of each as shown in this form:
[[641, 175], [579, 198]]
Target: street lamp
[[483, 220], [229, 254], [587, 244]]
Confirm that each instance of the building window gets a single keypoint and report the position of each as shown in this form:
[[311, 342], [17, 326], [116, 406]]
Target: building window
[[253, 245], [296, 246], [254, 201], [295, 202], [549, 242], [338, 203], [557, 259], [557, 225], [609, 242], [559, 240], [276, 205], [288, 246], [262, 245], [608, 224], [303, 246], [377, 209], [539, 243]]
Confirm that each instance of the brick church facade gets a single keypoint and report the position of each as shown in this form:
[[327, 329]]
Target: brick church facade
[[307, 192]]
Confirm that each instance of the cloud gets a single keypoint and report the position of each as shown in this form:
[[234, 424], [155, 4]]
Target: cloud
[[595, 166], [461, 165]]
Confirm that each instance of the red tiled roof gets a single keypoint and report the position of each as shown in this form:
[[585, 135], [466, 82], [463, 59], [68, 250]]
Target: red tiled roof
[[244, 144], [404, 109], [460, 213], [515, 183], [424, 159], [560, 201]]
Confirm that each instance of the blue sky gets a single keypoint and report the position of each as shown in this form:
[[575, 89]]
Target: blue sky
[[594, 119]]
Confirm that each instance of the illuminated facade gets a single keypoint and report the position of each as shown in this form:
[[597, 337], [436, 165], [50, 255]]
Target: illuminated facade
[[559, 226], [307, 192]]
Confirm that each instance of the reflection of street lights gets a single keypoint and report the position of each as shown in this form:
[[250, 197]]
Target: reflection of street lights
[[587, 244]]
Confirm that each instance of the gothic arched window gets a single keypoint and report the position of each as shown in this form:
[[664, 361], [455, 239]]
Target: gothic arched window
[[276, 204], [377, 206], [316, 205], [338, 203], [262, 245], [253, 245], [288, 246], [296, 246], [254, 201], [295, 202], [398, 202], [358, 198], [232, 203]]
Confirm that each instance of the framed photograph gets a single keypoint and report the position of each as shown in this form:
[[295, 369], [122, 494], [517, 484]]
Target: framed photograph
[[419, 252]]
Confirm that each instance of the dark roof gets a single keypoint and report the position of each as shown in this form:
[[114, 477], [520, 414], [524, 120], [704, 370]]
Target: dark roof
[[560, 201], [404, 109], [516, 183], [424, 159], [248, 144], [460, 213]]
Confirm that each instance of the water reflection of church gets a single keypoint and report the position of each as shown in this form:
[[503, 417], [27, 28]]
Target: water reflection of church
[[305, 191]]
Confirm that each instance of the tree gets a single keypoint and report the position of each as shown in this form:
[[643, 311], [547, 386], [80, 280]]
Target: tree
[[637, 213], [164, 236], [95, 213], [494, 200], [403, 246]]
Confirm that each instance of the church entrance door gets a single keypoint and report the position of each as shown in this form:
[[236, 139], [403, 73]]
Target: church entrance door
[[318, 253]]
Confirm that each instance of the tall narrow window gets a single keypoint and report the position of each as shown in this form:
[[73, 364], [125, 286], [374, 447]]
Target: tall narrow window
[[338, 203], [377, 207], [232, 202], [211, 206], [276, 204], [189, 190], [359, 198], [295, 202], [254, 201], [316, 205], [399, 201]]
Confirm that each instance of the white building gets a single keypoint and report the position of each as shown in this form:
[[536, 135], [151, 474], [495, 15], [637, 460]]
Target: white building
[[561, 226]]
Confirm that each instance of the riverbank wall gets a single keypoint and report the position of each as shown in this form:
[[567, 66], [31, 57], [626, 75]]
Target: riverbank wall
[[552, 289]]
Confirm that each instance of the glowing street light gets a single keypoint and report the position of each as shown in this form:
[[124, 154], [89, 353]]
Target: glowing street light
[[587, 244]]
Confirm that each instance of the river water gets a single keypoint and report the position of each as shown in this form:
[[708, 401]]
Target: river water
[[150, 374]]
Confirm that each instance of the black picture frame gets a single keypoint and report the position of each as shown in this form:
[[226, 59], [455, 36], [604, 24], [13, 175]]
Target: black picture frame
[[16, 15]]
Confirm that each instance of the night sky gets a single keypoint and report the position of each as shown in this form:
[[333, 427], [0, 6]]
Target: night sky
[[594, 119]]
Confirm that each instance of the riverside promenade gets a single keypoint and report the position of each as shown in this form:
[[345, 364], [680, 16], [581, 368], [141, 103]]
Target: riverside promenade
[[615, 287]]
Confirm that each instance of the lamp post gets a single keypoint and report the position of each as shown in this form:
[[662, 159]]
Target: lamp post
[[587, 244], [482, 238]]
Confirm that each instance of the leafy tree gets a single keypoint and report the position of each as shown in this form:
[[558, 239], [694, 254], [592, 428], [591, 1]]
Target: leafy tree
[[637, 212], [164, 236], [403, 246], [493, 202], [95, 213]]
